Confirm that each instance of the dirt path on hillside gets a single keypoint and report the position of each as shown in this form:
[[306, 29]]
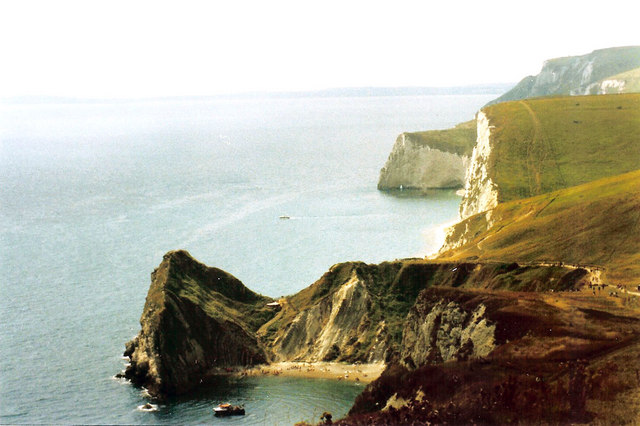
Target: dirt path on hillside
[[539, 151]]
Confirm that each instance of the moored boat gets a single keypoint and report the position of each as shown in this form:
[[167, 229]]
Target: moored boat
[[228, 410]]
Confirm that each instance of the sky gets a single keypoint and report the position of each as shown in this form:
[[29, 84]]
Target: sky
[[96, 48]]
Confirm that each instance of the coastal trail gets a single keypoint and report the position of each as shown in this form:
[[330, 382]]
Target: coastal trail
[[540, 153]]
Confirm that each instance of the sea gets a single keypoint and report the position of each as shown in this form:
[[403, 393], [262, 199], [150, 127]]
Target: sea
[[94, 192]]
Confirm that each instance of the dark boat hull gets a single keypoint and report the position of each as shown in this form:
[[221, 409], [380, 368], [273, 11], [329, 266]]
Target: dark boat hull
[[229, 412]]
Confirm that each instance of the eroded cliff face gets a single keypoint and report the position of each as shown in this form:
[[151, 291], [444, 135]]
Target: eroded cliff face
[[481, 193], [198, 319], [336, 327], [445, 331], [588, 74], [469, 352], [366, 313], [190, 326], [415, 165]]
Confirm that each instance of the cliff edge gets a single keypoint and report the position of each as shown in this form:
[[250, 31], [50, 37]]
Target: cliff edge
[[435, 159], [535, 146]]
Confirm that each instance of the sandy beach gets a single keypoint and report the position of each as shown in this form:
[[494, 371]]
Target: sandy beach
[[318, 370]]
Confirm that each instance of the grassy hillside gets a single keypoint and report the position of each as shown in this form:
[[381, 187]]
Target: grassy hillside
[[541, 145], [597, 223], [458, 140]]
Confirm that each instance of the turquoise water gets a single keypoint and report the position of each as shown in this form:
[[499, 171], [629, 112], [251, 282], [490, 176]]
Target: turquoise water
[[93, 194]]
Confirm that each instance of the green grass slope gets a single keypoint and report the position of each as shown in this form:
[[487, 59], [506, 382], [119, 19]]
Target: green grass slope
[[541, 145], [597, 223], [458, 140]]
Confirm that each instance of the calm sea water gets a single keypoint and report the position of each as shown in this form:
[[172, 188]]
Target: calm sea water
[[93, 194]]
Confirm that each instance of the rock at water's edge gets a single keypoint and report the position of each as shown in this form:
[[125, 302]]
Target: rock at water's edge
[[190, 326]]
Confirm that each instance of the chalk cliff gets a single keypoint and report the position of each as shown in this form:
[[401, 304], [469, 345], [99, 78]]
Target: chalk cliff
[[539, 146], [588, 74], [481, 192], [429, 160]]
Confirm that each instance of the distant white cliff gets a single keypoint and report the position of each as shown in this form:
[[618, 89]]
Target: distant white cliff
[[433, 159], [592, 74]]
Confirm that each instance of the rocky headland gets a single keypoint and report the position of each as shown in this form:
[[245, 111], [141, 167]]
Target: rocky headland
[[436, 159], [199, 320], [195, 320]]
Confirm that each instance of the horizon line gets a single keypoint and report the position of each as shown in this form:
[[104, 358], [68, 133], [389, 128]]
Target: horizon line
[[352, 91]]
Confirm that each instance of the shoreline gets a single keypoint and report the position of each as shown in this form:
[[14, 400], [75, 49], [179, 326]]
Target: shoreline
[[364, 373], [436, 233]]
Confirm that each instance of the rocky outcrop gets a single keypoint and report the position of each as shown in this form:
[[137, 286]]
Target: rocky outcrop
[[433, 159], [191, 326], [412, 165], [476, 356], [445, 331], [578, 75], [197, 320], [481, 192], [360, 312]]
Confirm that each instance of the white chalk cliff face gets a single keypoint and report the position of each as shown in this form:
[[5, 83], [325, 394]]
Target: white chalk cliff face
[[481, 193], [610, 86], [590, 74], [412, 165]]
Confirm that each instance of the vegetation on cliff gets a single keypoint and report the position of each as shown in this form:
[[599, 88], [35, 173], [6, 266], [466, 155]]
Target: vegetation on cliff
[[429, 160], [195, 319], [594, 224], [457, 140], [630, 80], [540, 145]]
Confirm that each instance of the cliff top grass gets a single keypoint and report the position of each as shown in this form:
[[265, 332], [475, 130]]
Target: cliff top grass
[[597, 223], [458, 140], [219, 294], [544, 144]]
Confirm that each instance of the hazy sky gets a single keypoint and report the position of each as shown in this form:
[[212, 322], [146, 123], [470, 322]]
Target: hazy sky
[[156, 48]]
